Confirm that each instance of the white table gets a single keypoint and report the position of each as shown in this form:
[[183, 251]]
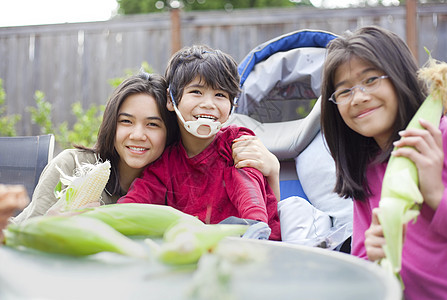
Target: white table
[[286, 272]]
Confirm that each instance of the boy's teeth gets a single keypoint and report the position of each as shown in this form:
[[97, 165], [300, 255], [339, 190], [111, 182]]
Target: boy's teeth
[[206, 117]]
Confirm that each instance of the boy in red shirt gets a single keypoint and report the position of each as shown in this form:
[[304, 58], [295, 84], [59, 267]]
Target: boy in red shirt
[[197, 175]]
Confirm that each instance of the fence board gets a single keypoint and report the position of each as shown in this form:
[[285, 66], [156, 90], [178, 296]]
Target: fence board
[[74, 62]]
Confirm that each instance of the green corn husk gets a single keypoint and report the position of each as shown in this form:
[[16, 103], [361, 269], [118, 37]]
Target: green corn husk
[[140, 219], [185, 243], [400, 198], [77, 236]]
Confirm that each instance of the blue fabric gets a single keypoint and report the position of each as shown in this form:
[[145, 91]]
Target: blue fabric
[[290, 188], [296, 39]]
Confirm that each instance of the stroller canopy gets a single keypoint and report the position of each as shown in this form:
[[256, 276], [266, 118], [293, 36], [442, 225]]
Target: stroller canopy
[[282, 75], [280, 84]]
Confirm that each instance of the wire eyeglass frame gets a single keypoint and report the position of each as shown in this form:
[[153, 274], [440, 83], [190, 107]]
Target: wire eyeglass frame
[[364, 86]]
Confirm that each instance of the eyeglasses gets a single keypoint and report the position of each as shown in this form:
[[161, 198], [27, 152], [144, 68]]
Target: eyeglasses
[[368, 85]]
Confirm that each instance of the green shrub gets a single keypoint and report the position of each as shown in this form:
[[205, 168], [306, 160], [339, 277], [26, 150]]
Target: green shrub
[[7, 122], [114, 82], [83, 132], [41, 115]]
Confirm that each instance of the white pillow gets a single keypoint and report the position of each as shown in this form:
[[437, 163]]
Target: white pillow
[[302, 223], [316, 171]]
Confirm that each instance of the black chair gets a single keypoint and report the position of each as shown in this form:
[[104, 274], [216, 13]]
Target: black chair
[[23, 158]]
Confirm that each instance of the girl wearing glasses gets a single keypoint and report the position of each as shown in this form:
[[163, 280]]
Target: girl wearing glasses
[[372, 91]]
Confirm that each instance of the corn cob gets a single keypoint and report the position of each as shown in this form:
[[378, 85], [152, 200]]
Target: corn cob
[[140, 219], [85, 187], [75, 236], [184, 243], [400, 198]]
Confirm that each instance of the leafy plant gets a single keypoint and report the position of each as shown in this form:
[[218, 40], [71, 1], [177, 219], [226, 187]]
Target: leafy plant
[[7, 122], [114, 82], [41, 114], [85, 130]]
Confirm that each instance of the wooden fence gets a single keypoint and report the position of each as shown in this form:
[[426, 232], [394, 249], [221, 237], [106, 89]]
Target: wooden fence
[[74, 62]]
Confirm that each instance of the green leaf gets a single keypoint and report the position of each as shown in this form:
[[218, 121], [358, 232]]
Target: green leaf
[[58, 189]]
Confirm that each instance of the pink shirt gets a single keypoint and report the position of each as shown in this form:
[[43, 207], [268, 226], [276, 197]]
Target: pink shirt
[[424, 256], [208, 185]]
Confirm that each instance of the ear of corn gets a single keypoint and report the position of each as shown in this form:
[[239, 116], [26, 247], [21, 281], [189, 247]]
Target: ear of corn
[[85, 187], [75, 236], [185, 243], [400, 198], [140, 219]]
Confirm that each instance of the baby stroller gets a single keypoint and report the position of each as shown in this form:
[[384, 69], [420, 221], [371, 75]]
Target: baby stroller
[[280, 83]]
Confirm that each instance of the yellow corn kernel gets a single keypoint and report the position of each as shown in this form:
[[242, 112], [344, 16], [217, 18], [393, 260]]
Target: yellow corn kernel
[[84, 188]]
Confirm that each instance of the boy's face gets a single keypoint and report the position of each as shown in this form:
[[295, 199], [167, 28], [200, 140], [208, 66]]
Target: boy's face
[[200, 100]]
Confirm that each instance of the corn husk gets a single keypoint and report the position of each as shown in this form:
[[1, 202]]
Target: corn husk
[[185, 243], [400, 198], [76, 236], [140, 219]]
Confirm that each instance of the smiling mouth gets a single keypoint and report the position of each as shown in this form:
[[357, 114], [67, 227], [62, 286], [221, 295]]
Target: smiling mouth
[[205, 117], [137, 148], [365, 113]]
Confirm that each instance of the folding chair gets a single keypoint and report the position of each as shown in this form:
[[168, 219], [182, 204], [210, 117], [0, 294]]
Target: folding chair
[[23, 158]]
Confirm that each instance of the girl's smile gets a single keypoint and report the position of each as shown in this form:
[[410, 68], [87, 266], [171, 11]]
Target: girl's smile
[[366, 112], [140, 132], [371, 114]]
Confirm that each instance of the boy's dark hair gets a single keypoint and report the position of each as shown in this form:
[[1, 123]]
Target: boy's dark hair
[[143, 83], [214, 67], [351, 151]]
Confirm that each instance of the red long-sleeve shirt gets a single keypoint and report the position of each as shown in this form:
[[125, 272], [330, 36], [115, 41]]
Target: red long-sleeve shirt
[[208, 185]]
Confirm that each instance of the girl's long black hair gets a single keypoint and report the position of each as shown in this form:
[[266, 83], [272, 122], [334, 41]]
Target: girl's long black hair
[[143, 83], [351, 151]]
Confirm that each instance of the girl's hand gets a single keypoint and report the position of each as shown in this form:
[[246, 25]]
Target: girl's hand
[[428, 155], [249, 151], [374, 239]]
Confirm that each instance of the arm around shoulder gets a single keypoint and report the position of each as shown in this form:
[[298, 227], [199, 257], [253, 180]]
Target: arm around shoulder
[[249, 151]]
